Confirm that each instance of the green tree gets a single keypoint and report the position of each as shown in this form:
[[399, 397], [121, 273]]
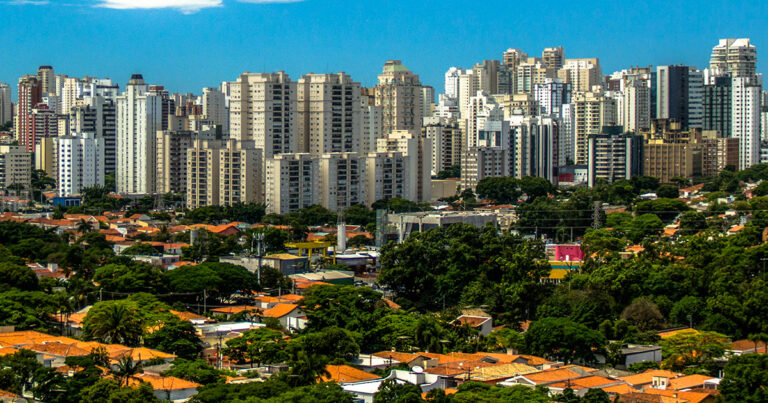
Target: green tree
[[693, 349], [109, 391], [220, 280], [173, 335], [392, 392], [745, 379], [692, 222], [17, 276], [356, 309], [668, 192], [136, 277], [451, 172], [141, 249], [113, 322], [198, 371], [563, 339], [502, 190], [665, 209], [644, 314]]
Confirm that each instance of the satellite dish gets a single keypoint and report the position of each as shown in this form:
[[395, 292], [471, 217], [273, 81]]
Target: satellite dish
[[417, 369]]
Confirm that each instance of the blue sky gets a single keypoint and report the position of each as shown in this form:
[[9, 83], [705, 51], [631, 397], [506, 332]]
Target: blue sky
[[188, 44]]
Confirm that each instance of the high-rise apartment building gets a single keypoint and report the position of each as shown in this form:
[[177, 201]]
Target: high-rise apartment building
[[291, 182], [171, 163], [680, 95], [30, 95], [717, 105], [735, 56], [47, 79], [262, 108], [636, 103], [418, 153], [745, 118], [528, 74], [42, 122], [329, 114], [203, 173], [97, 115], [553, 57], [79, 163], [370, 121], [446, 137], [479, 163], [223, 172], [341, 180], [613, 155], [511, 58], [387, 177], [215, 108], [400, 96], [6, 104], [451, 83], [591, 111], [582, 74], [428, 101], [15, 167], [552, 95], [139, 117]]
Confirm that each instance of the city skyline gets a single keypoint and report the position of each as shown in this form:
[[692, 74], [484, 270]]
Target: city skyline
[[427, 38]]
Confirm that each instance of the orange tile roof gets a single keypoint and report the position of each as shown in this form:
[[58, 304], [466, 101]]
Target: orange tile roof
[[472, 321], [687, 397], [279, 310], [306, 284], [748, 345], [27, 337], [7, 351], [58, 349], [619, 389], [188, 316], [688, 382], [164, 382], [646, 377], [553, 375], [589, 382], [396, 356], [391, 304], [345, 373], [141, 354], [670, 333], [235, 309]]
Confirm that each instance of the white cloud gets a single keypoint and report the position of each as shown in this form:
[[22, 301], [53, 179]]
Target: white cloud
[[185, 6]]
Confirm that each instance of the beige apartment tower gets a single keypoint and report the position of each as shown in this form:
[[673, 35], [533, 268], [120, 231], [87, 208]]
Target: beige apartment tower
[[591, 112], [292, 182], [262, 110], [328, 114], [400, 97], [223, 173], [341, 180]]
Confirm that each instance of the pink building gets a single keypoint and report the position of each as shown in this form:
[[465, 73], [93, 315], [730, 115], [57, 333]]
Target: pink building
[[568, 253]]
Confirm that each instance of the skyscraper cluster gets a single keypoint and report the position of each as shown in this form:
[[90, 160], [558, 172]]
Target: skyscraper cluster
[[325, 139]]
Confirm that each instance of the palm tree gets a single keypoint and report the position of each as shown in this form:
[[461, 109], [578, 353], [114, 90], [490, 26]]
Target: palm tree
[[114, 322], [41, 181], [125, 369], [83, 226]]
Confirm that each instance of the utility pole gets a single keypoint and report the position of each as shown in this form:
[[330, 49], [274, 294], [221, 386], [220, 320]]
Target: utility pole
[[205, 300], [596, 216], [260, 253]]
